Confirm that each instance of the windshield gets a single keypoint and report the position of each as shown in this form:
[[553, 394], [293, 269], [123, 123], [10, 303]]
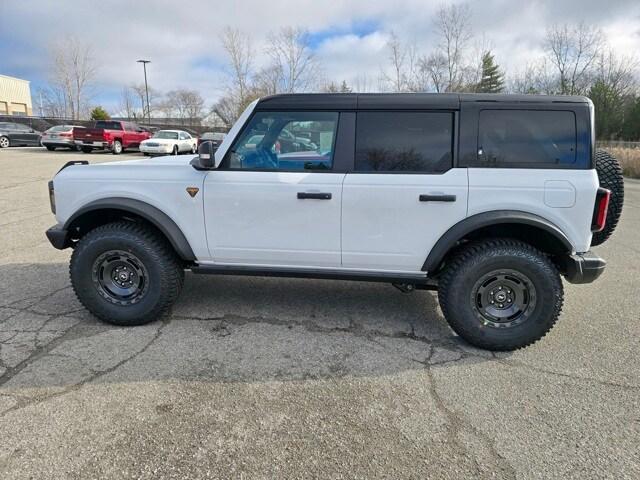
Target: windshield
[[60, 128], [166, 134]]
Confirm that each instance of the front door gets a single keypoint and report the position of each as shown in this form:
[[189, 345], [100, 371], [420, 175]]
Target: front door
[[403, 193], [266, 207]]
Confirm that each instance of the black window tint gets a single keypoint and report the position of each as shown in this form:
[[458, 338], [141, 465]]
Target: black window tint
[[108, 125], [526, 138], [404, 142]]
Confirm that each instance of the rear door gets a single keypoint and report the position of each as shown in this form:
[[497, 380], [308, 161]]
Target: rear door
[[403, 192], [265, 207]]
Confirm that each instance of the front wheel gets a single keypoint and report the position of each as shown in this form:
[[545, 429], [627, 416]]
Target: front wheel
[[4, 142], [50, 148], [86, 149], [125, 273], [501, 294], [175, 150]]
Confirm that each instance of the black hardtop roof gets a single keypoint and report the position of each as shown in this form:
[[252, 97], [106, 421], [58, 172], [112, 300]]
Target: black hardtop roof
[[403, 101]]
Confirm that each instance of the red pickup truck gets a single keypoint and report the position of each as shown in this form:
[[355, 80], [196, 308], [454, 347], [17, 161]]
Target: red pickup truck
[[111, 135]]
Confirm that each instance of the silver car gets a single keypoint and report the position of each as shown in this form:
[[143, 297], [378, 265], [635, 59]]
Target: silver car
[[60, 136]]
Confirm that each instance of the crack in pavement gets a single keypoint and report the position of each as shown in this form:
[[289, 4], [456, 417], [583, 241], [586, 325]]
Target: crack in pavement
[[526, 366], [457, 424], [76, 386]]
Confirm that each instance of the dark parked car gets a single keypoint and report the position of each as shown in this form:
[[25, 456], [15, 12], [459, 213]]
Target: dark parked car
[[18, 135], [60, 136], [215, 137]]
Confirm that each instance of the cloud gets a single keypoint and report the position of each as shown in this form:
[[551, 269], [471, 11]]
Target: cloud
[[182, 39]]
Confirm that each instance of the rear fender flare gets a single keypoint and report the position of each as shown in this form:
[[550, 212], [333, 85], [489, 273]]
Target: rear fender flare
[[481, 220]]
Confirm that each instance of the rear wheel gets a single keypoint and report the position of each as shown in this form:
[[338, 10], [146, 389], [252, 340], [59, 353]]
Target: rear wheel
[[501, 294], [4, 142], [610, 177], [86, 150], [175, 150], [125, 273], [116, 149]]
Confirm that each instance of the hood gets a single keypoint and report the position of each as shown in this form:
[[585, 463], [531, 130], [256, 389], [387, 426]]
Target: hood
[[167, 160]]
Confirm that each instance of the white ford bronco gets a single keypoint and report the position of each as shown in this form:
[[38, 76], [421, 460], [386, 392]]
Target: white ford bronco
[[488, 199]]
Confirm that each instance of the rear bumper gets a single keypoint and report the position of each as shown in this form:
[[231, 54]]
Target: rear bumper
[[58, 236], [93, 145], [582, 267]]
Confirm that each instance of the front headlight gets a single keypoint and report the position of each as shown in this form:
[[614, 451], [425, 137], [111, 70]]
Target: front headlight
[[52, 197]]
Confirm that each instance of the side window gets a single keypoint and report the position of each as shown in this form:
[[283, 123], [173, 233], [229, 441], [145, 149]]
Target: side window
[[415, 142], [288, 141], [526, 138]]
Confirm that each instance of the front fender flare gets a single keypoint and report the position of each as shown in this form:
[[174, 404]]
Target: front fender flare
[[475, 222], [153, 215]]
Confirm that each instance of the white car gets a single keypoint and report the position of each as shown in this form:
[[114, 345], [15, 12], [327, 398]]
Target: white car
[[172, 142], [489, 199]]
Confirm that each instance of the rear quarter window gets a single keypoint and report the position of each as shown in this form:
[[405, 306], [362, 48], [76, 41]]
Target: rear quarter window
[[527, 139], [109, 125]]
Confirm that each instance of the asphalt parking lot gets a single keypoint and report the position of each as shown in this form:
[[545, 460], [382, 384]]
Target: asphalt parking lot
[[277, 378]]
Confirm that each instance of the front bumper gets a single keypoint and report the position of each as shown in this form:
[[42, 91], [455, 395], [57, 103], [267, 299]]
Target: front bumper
[[162, 149], [582, 267], [59, 237]]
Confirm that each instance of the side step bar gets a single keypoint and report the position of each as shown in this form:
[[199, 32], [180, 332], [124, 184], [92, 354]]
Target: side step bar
[[420, 280]]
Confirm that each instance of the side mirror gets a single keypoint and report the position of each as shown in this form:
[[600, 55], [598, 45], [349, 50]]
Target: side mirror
[[206, 157]]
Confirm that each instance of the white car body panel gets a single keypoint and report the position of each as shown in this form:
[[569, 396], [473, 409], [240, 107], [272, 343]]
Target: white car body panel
[[385, 226], [543, 192], [256, 218], [160, 182]]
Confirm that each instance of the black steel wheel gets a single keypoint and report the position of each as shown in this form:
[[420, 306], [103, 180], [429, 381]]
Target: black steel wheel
[[120, 277], [500, 294], [503, 298]]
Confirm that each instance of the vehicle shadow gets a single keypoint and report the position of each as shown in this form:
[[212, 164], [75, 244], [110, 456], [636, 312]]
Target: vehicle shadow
[[221, 329]]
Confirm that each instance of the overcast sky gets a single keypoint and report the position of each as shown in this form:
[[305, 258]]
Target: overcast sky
[[348, 37]]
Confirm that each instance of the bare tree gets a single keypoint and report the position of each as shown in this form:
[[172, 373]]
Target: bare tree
[[435, 67], [128, 104], [453, 25], [292, 57], [72, 73], [241, 56], [188, 104], [573, 50], [397, 57]]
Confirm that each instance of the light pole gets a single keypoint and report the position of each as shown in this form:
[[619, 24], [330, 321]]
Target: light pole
[[146, 88]]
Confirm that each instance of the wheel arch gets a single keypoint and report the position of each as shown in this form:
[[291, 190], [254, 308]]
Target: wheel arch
[[524, 226], [100, 212]]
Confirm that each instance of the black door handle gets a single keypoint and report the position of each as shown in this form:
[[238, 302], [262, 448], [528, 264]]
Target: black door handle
[[314, 196], [437, 198]]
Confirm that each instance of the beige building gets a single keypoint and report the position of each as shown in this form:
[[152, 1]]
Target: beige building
[[15, 96]]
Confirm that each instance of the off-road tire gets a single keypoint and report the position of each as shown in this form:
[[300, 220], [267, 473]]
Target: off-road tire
[[610, 177], [471, 264], [164, 269], [116, 148]]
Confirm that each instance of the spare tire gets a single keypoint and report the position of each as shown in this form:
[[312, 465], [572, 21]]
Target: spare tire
[[610, 177]]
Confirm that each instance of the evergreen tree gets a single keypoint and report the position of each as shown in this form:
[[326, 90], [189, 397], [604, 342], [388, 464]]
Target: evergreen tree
[[492, 80], [99, 113]]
